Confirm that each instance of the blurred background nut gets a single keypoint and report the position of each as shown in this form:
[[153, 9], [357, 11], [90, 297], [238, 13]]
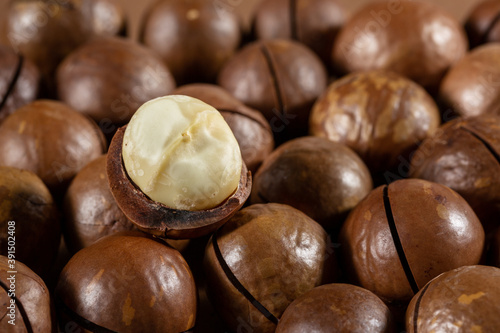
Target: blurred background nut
[[466, 298], [29, 212], [416, 39], [125, 283], [90, 211], [323, 179], [275, 253], [382, 116], [50, 139], [33, 310], [193, 37], [280, 78], [314, 23], [472, 86], [19, 81], [403, 235], [464, 155], [337, 308], [483, 23], [250, 128], [109, 78]]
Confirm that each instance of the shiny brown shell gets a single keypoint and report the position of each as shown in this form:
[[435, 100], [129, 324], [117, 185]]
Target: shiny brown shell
[[249, 126], [32, 308], [381, 115], [404, 234], [157, 219], [261, 260], [323, 179], [128, 282], [466, 299], [416, 39], [337, 308], [90, 211], [483, 23]]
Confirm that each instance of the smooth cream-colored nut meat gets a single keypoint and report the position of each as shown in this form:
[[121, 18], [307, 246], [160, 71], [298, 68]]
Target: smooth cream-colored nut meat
[[180, 152]]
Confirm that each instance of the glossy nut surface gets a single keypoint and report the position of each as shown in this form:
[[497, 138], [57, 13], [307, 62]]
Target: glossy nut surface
[[249, 126], [158, 219], [472, 86], [277, 253], [464, 155], [380, 115], [90, 211], [418, 40], [50, 139], [28, 211], [108, 79], [336, 308], [127, 282], [32, 298], [280, 78], [465, 299], [323, 179], [401, 236], [483, 25]]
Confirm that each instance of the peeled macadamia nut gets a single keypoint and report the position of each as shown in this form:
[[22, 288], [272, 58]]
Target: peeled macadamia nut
[[180, 152]]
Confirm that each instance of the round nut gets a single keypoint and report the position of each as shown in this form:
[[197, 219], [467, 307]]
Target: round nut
[[483, 23]]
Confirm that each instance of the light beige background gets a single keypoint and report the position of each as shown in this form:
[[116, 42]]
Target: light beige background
[[135, 8]]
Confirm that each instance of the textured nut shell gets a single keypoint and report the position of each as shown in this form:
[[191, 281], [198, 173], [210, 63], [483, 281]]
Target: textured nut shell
[[416, 39], [249, 126], [16, 91], [194, 38], [323, 179], [32, 293], [95, 78], [480, 25], [380, 115], [465, 299], [90, 210], [25, 199], [456, 158], [51, 140], [280, 78], [277, 253], [312, 22], [128, 282], [158, 219], [336, 308], [472, 86], [437, 228]]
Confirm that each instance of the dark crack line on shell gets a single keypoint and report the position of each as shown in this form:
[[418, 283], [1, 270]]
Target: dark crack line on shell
[[274, 78], [488, 146], [484, 38], [84, 323], [237, 284], [20, 306], [13, 82], [417, 308], [397, 242]]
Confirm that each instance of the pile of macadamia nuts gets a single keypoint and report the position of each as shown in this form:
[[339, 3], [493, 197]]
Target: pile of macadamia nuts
[[316, 170]]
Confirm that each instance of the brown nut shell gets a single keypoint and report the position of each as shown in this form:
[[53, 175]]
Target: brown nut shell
[[276, 253], [465, 299], [337, 308], [416, 39], [404, 234], [28, 211], [381, 115], [32, 307], [321, 178], [158, 219], [90, 211], [472, 86], [249, 126], [464, 155], [483, 23], [128, 282]]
